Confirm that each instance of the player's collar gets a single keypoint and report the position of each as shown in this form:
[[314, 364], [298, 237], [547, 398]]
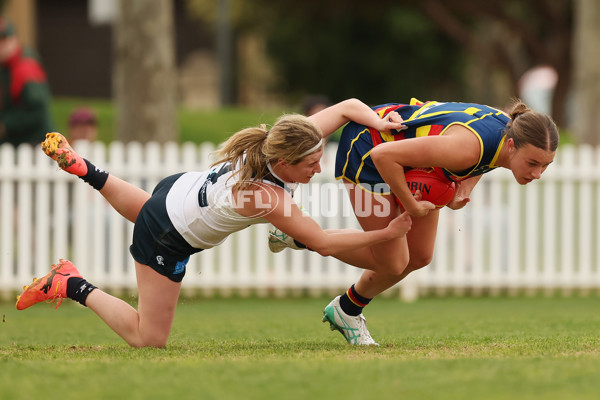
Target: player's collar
[[289, 186]]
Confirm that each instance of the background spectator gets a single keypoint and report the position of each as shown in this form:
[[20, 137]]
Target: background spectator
[[24, 92], [83, 124], [312, 104]]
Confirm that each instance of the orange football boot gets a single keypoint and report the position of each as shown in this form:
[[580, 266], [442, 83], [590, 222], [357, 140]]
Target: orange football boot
[[51, 288], [57, 147]]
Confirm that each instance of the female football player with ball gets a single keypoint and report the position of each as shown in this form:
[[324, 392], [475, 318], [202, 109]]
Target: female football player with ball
[[458, 141]]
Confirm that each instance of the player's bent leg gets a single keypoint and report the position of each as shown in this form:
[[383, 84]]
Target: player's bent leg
[[420, 241], [124, 197], [344, 313], [150, 325], [375, 212], [156, 305]]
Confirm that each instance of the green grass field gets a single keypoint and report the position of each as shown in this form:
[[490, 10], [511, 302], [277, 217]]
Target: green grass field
[[435, 348]]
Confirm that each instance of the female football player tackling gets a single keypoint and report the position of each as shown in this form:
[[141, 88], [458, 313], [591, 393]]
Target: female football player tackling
[[459, 140], [251, 183]]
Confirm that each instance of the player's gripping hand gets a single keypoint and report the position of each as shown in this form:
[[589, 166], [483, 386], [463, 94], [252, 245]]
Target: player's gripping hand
[[458, 202], [419, 208], [401, 224], [390, 121]]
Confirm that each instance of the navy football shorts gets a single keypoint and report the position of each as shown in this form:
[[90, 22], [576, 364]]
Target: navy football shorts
[[156, 242], [353, 162]]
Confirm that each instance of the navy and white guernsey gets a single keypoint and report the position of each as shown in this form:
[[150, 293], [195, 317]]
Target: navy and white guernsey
[[201, 206]]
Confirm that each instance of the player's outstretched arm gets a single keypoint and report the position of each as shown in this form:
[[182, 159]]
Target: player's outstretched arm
[[287, 217], [337, 115]]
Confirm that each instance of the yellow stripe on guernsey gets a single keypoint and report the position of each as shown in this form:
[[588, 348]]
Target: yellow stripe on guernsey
[[362, 164], [423, 131], [493, 163], [421, 113], [366, 130], [428, 110], [466, 125]]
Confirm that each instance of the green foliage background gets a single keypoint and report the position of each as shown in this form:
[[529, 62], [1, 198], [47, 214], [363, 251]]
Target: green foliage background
[[378, 57], [379, 52]]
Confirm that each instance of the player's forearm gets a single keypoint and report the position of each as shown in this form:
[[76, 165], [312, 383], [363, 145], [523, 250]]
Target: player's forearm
[[343, 240]]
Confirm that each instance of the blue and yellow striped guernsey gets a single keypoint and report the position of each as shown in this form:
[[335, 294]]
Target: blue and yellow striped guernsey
[[353, 161]]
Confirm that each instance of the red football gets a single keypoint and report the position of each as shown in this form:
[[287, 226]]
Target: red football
[[434, 187]]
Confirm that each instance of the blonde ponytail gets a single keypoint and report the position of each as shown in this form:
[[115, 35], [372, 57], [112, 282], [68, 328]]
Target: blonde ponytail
[[291, 138]]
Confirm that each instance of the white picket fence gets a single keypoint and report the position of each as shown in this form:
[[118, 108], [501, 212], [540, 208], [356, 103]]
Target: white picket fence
[[510, 238]]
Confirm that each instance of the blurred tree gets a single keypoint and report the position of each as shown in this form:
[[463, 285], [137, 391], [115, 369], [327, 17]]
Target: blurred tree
[[384, 53], [348, 48], [525, 34], [586, 118], [144, 68], [225, 52], [391, 49]]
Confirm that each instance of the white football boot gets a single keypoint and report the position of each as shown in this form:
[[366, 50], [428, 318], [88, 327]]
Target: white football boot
[[353, 328], [279, 241]]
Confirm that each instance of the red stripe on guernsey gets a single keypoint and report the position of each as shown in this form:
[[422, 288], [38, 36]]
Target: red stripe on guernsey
[[435, 130], [27, 70], [399, 136], [375, 137], [353, 299], [387, 109], [383, 111]]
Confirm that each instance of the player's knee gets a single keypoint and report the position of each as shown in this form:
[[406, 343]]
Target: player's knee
[[394, 266], [418, 261], [397, 269], [156, 339]]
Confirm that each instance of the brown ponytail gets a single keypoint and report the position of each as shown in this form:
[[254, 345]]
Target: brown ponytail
[[529, 127]]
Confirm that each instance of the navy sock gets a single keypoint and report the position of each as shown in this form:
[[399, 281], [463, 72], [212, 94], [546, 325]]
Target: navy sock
[[95, 176], [78, 289], [301, 245], [353, 303]]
